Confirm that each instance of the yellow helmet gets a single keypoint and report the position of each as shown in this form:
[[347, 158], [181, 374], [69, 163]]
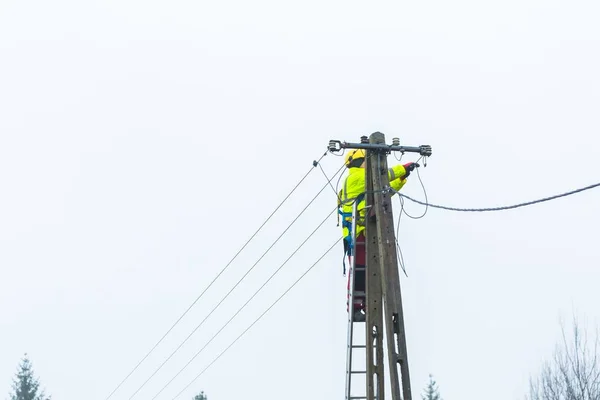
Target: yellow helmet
[[353, 155]]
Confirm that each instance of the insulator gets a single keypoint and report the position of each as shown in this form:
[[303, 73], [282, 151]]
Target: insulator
[[364, 139], [396, 141], [333, 145], [425, 150]]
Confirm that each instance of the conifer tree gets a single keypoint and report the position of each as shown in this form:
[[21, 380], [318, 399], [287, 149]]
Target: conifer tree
[[431, 392], [200, 396], [26, 386]]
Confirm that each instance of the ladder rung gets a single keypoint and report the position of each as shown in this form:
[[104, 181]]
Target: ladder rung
[[361, 294], [358, 398], [358, 372], [359, 346]]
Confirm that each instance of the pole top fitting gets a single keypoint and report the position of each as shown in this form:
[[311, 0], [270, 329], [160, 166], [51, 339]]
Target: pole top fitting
[[334, 145]]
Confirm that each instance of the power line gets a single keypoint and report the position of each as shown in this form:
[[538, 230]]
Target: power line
[[234, 287], [403, 209], [258, 319], [335, 190], [329, 180], [502, 208], [246, 303], [214, 280]]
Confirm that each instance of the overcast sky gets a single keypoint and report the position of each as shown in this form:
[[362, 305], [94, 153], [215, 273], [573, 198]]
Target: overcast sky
[[142, 143]]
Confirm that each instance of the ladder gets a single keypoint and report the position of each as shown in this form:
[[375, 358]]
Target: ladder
[[351, 346]]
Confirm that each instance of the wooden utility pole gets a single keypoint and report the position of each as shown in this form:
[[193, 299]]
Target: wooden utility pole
[[390, 277], [383, 294], [374, 325]]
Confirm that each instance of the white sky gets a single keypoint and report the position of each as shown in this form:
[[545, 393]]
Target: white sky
[[142, 142]]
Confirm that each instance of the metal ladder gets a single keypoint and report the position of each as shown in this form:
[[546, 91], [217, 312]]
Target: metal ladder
[[351, 346]]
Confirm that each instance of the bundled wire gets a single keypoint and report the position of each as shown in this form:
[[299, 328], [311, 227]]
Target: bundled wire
[[501, 208]]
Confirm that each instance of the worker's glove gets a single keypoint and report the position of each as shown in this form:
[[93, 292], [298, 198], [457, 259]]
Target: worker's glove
[[409, 167]]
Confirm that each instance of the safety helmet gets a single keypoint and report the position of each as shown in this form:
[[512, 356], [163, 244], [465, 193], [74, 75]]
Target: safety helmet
[[354, 155]]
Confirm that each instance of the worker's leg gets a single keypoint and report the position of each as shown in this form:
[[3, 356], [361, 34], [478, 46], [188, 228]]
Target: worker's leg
[[360, 275]]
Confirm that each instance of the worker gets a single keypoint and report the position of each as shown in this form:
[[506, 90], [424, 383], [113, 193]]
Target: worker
[[353, 191]]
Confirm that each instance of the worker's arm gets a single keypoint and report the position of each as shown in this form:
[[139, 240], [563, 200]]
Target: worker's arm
[[397, 184], [399, 173], [396, 172]]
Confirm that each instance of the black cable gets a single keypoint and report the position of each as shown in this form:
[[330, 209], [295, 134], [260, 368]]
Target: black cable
[[232, 289], [499, 208], [213, 281], [245, 304], [258, 319]]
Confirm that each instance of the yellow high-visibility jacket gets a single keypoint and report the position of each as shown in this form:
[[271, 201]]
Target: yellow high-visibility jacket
[[355, 185]]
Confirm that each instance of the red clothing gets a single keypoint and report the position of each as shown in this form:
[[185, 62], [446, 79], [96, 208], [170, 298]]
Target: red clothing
[[359, 276]]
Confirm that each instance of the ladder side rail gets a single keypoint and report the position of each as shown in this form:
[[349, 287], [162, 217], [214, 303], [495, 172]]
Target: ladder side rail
[[351, 303]]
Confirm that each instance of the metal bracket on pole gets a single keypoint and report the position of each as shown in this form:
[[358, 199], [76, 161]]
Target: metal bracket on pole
[[337, 145]]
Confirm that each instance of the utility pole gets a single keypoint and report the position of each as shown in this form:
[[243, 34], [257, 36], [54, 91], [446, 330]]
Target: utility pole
[[374, 324], [384, 315]]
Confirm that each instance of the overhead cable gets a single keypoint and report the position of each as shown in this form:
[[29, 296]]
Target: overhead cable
[[232, 289], [214, 280], [502, 208], [246, 303], [257, 319]]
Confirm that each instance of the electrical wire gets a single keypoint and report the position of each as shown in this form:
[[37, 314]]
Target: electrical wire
[[403, 209], [396, 157], [502, 208], [232, 289], [400, 255], [246, 303], [337, 185], [329, 180], [214, 280], [335, 190], [257, 319], [341, 154]]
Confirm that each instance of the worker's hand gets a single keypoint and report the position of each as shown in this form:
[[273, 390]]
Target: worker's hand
[[409, 167]]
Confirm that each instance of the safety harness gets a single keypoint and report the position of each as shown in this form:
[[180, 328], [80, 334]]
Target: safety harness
[[347, 223]]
